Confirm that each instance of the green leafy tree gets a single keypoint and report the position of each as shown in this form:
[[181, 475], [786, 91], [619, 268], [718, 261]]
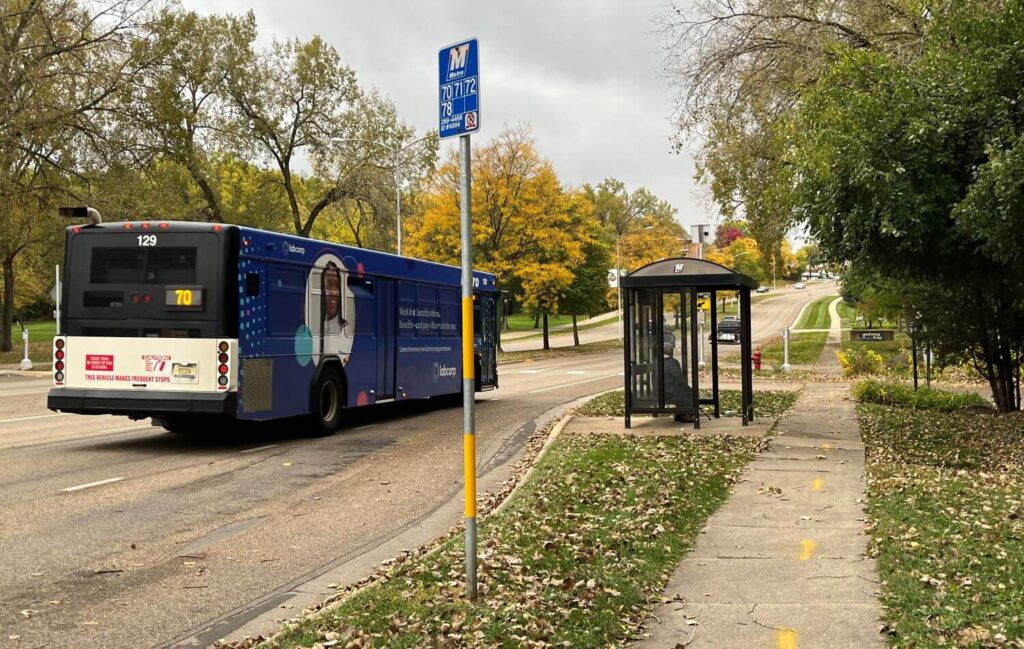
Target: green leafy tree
[[63, 62], [176, 109], [909, 170]]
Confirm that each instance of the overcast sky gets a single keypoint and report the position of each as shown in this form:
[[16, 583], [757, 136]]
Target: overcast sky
[[583, 74]]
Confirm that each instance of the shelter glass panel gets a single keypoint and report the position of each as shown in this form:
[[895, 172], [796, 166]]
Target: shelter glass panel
[[643, 347], [675, 348]]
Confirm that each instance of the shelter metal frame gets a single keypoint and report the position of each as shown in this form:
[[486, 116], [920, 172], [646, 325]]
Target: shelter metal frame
[[649, 386]]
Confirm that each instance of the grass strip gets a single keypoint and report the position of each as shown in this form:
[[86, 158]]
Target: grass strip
[[816, 316], [804, 349], [562, 332], [578, 557], [946, 503], [524, 321], [555, 352], [767, 403], [847, 314]]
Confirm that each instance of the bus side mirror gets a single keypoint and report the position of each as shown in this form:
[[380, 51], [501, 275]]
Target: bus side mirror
[[508, 305]]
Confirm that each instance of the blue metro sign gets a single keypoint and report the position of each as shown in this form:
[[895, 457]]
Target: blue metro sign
[[459, 89]]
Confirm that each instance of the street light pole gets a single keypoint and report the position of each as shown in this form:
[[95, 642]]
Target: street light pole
[[397, 172], [398, 202], [618, 281]]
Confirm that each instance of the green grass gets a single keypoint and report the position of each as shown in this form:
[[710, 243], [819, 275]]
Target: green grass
[[524, 322], [583, 327], [767, 403], [804, 349], [816, 315], [578, 557], [585, 348], [847, 314], [946, 503], [40, 343]]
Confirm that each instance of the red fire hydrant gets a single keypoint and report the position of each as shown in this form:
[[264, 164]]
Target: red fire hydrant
[[756, 357]]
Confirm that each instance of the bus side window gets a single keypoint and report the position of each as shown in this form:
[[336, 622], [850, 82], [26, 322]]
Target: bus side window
[[252, 284]]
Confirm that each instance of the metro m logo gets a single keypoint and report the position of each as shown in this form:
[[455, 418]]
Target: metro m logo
[[457, 59]]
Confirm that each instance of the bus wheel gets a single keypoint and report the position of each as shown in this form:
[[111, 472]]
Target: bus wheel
[[327, 402]]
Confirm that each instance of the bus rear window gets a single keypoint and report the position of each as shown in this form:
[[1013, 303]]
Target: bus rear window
[[170, 265]]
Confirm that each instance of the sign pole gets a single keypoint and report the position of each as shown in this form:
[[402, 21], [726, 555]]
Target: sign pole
[[785, 350], [459, 115], [468, 364]]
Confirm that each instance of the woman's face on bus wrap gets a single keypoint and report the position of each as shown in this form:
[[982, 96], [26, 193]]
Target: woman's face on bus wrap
[[332, 290]]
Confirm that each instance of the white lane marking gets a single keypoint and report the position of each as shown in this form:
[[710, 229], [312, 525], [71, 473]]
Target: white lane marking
[[578, 372], [93, 484], [566, 385], [528, 371], [124, 428], [258, 448], [56, 414]]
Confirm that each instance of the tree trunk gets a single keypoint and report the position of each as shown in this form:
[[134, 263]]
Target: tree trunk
[[546, 343], [536, 320], [575, 332], [7, 313]]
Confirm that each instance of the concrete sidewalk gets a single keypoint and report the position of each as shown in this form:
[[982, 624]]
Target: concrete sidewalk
[[828, 362], [781, 565]]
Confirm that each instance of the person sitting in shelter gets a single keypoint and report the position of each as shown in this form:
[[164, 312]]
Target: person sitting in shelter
[[677, 391]]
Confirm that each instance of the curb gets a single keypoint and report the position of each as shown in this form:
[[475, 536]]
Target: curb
[[363, 567]]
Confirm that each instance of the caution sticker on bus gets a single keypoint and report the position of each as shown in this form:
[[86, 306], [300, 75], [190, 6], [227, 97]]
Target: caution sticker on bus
[[185, 373]]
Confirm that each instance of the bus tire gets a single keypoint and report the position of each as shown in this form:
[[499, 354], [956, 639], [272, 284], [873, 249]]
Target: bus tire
[[328, 401]]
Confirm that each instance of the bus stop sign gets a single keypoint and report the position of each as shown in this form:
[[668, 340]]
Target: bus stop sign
[[459, 88]]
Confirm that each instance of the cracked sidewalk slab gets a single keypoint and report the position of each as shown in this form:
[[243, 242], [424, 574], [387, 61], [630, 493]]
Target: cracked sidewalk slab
[[782, 563]]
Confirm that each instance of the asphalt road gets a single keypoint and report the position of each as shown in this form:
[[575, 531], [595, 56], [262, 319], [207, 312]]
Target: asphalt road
[[118, 534]]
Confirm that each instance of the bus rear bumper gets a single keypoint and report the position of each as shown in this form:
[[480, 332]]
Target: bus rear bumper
[[140, 404]]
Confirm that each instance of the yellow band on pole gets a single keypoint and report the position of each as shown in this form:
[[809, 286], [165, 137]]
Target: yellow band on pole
[[469, 457], [468, 363]]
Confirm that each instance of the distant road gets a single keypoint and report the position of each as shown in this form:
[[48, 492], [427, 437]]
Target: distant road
[[770, 315]]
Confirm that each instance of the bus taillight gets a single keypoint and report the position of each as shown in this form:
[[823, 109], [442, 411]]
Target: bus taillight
[[224, 365], [58, 361]]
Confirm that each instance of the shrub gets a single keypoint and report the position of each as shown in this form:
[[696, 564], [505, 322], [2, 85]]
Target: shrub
[[859, 361], [900, 394]]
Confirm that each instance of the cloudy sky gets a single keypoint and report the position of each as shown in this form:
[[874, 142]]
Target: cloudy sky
[[582, 73]]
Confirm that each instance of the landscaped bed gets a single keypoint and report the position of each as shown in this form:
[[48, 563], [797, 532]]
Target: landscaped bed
[[946, 500], [577, 558]]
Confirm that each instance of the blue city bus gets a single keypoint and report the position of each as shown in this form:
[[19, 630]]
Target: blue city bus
[[186, 322]]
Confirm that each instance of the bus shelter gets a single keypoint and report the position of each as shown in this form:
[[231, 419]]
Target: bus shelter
[[664, 304]]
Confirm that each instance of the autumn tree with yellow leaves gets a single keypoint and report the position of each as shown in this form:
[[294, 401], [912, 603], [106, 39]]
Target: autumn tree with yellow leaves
[[527, 228]]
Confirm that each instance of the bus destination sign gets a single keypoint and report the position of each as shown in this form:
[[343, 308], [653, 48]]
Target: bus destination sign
[[183, 298]]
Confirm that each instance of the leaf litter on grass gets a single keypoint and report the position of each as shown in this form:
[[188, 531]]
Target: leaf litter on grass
[[946, 503], [576, 558]]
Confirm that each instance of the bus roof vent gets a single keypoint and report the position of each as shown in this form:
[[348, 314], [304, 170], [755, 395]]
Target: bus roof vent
[[82, 212]]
